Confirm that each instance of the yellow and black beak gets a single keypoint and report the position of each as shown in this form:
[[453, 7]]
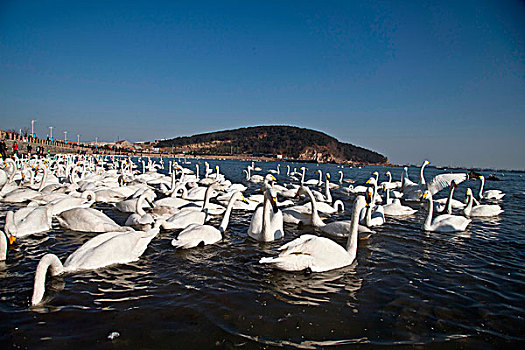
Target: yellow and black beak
[[273, 202], [368, 181], [425, 195], [12, 239]]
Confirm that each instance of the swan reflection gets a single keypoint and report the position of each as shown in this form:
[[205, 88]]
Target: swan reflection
[[313, 289]]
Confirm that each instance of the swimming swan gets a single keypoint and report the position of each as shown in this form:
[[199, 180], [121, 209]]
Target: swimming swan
[[195, 235], [267, 221], [88, 220], [482, 210], [100, 251], [489, 194], [445, 222], [318, 253]]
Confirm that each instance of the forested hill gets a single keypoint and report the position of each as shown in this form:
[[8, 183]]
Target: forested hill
[[290, 142]]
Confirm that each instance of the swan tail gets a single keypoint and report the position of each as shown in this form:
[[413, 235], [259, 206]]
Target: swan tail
[[294, 262], [48, 262], [179, 244]]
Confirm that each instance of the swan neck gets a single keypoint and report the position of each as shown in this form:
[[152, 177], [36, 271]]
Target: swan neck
[[421, 176], [3, 246], [428, 219], [48, 262], [448, 205], [481, 187], [351, 243], [226, 218], [138, 205], [316, 219], [468, 208], [44, 179]]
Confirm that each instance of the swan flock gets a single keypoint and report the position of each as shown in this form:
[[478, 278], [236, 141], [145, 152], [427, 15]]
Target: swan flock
[[88, 194]]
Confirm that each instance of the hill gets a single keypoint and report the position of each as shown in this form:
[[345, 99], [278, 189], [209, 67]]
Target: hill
[[288, 141]]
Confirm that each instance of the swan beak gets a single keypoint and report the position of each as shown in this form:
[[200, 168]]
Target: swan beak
[[424, 195], [12, 239], [244, 200], [273, 201], [150, 203], [368, 181]]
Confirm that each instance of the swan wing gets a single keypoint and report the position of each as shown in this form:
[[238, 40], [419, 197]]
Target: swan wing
[[442, 181], [317, 253], [194, 235], [112, 248], [450, 223]]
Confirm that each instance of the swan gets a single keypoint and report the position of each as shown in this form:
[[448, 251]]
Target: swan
[[140, 219], [252, 178], [100, 251], [335, 228], [60, 205], [88, 220], [373, 215], [482, 210], [489, 194], [318, 254], [350, 181], [276, 171], [311, 182], [190, 215], [27, 221], [267, 221], [322, 207], [129, 205], [413, 192], [195, 235], [444, 222], [395, 208], [445, 205], [3, 244]]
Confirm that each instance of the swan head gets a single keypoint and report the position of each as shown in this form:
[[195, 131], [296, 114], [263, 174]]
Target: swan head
[[426, 162], [454, 184], [371, 181], [327, 176], [469, 192], [427, 195], [11, 239], [369, 196]]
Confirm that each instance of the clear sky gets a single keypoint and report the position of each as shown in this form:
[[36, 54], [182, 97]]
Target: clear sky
[[414, 80]]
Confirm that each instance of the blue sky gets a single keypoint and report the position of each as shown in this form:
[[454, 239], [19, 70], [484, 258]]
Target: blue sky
[[440, 80]]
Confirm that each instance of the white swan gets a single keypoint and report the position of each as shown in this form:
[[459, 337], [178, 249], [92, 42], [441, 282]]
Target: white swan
[[190, 216], [318, 253], [482, 210], [3, 244], [60, 205], [27, 221], [445, 222], [489, 194], [395, 208], [334, 228], [140, 219], [373, 215], [195, 235], [267, 221], [100, 251], [88, 220], [129, 205], [445, 205]]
